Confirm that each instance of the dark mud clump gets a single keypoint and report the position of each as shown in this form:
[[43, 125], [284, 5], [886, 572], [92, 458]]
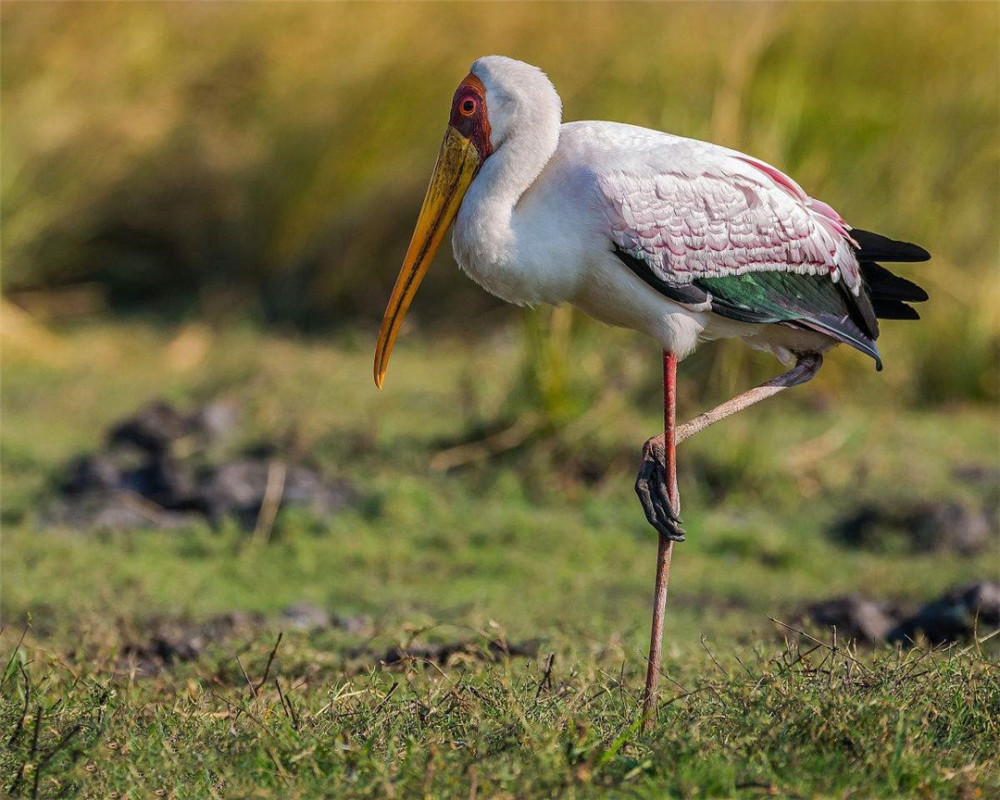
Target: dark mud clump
[[965, 525], [945, 526], [855, 618], [162, 468], [237, 489], [168, 642], [452, 652], [164, 643], [956, 616]]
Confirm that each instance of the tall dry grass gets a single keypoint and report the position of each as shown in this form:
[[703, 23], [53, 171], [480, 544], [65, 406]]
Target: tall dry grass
[[266, 159]]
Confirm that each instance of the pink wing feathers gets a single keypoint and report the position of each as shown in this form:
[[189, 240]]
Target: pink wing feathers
[[735, 215], [719, 231]]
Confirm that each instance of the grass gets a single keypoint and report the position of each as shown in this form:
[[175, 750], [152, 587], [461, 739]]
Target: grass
[[541, 543], [800, 721]]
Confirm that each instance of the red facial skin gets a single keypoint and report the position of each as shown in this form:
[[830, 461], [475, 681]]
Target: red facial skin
[[468, 114]]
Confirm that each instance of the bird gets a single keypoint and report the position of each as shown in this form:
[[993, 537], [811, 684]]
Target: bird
[[681, 240]]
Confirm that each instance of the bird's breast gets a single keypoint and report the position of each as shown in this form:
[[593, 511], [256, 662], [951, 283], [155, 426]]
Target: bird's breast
[[497, 271], [521, 258]]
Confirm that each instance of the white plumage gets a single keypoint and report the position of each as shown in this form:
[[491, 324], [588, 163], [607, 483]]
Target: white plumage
[[678, 239], [539, 221]]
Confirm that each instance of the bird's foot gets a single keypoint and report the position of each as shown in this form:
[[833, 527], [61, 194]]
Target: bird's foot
[[651, 485]]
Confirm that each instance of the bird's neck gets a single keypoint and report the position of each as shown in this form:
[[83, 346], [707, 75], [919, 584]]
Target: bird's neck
[[511, 170], [485, 239]]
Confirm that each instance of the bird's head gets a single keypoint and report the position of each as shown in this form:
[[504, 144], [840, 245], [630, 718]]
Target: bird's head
[[498, 97]]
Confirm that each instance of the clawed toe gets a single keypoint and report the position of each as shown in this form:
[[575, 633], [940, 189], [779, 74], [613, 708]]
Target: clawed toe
[[653, 492]]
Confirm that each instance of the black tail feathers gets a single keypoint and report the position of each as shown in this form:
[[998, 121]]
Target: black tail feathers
[[874, 247], [889, 293]]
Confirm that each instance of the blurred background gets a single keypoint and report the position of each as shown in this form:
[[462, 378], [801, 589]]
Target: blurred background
[[262, 163], [204, 208]]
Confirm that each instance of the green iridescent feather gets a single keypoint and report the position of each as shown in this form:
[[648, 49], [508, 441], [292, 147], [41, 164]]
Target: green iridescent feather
[[814, 302]]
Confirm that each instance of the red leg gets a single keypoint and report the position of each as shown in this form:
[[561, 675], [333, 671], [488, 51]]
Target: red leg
[[666, 543], [656, 489], [656, 486], [805, 369], [670, 427]]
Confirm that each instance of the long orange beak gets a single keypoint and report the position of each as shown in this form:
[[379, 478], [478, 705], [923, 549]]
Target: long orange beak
[[458, 162]]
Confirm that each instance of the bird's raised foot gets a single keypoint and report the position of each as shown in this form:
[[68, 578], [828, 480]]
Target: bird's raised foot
[[805, 369], [651, 485]]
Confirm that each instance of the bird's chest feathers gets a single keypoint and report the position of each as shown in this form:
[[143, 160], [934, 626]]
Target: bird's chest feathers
[[510, 261]]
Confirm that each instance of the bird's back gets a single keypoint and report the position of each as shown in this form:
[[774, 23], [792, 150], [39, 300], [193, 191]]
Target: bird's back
[[713, 228]]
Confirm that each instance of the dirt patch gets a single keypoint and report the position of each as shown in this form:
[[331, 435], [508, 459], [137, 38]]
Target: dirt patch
[[941, 526], [452, 653], [170, 642], [966, 526], [955, 616], [854, 618], [162, 644], [160, 468]]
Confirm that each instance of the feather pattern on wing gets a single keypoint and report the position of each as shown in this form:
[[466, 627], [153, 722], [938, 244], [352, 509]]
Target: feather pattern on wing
[[693, 210], [717, 230]]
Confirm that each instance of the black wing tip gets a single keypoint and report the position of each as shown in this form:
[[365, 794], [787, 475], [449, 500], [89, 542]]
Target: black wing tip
[[876, 247], [870, 348], [882, 285], [845, 330], [894, 309], [875, 354], [915, 253]]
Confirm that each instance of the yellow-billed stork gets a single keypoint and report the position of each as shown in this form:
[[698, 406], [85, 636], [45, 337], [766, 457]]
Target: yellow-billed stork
[[679, 239]]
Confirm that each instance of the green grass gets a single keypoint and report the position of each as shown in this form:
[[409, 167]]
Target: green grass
[[544, 542], [799, 721]]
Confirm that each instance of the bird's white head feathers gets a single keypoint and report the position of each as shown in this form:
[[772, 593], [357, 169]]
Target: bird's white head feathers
[[520, 98]]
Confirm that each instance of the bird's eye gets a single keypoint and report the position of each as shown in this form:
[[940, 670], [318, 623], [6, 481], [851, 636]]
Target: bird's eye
[[468, 106]]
